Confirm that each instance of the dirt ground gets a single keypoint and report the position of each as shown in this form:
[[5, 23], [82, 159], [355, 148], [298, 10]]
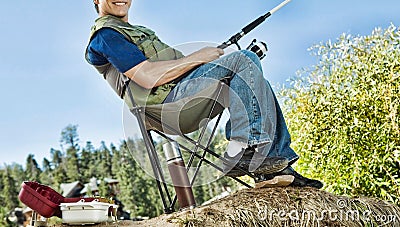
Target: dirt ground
[[280, 207]]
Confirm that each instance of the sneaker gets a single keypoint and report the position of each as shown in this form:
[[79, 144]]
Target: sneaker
[[269, 165], [286, 177]]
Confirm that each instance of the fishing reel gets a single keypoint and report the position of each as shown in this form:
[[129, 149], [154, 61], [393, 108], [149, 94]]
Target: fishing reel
[[259, 48]]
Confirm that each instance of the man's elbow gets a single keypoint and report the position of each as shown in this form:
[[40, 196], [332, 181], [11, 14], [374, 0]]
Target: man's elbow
[[141, 80], [148, 85], [141, 76]]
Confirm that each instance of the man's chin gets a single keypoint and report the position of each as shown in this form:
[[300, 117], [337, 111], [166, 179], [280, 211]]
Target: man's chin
[[120, 16]]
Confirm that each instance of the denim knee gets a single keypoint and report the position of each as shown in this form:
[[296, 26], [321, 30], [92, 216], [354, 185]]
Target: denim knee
[[252, 56]]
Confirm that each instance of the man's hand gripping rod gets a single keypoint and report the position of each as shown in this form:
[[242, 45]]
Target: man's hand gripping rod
[[235, 38]]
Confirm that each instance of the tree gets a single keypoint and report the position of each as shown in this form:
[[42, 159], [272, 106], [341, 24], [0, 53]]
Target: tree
[[69, 136], [85, 161], [17, 173], [56, 158], [2, 199], [59, 172], [9, 190], [344, 115], [138, 189], [4, 222], [72, 161], [32, 170], [105, 164], [115, 161], [46, 177], [126, 177]]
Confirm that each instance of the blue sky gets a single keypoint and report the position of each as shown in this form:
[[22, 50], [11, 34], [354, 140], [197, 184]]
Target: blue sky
[[46, 83]]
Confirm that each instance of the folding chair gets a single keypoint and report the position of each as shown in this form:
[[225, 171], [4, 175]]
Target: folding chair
[[179, 118]]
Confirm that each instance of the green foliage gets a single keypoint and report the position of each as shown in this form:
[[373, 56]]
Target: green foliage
[[58, 167], [9, 190], [46, 177], [72, 164], [17, 173], [104, 190], [105, 164], [4, 222], [343, 115], [138, 189], [69, 136], [32, 171], [2, 196]]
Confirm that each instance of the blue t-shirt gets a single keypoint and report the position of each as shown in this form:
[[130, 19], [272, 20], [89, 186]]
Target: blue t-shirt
[[108, 45]]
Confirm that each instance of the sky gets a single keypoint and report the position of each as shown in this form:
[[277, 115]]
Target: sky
[[47, 85]]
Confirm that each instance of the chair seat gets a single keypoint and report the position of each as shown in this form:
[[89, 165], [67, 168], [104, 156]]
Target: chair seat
[[186, 115]]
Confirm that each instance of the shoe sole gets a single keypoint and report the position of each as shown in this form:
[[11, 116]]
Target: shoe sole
[[278, 181], [263, 170]]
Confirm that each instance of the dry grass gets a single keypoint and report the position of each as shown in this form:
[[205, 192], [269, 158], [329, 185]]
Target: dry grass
[[288, 206]]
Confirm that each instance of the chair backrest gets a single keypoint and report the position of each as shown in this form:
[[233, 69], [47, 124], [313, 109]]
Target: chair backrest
[[185, 115]]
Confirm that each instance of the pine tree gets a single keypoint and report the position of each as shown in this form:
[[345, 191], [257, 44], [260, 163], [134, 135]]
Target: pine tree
[[56, 157], [144, 193], [104, 189], [32, 170], [115, 161], [2, 199], [59, 172], [105, 161], [85, 161], [4, 222], [46, 177], [10, 191], [72, 162], [17, 173], [126, 177], [70, 138]]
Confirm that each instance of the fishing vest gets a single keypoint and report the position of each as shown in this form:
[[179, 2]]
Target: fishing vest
[[151, 46]]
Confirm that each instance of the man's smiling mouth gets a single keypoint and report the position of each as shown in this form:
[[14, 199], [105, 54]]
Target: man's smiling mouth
[[119, 3]]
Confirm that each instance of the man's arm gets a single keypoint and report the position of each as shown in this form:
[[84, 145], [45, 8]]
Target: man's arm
[[152, 74]]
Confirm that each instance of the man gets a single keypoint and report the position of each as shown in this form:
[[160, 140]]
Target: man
[[257, 132]]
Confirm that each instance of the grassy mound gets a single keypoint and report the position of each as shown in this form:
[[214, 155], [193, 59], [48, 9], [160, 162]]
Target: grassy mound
[[282, 207]]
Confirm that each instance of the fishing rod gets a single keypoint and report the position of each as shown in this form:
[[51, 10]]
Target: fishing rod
[[235, 38]]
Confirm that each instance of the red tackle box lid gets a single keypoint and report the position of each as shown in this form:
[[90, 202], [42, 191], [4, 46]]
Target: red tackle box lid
[[41, 198], [44, 200]]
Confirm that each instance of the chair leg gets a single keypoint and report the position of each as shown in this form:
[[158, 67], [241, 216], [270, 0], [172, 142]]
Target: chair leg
[[162, 186], [155, 164]]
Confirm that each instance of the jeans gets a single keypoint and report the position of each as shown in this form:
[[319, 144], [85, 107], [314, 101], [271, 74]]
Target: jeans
[[255, 115]]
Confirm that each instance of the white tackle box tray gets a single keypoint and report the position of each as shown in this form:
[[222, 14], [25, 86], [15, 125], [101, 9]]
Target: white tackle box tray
[[87, 212]]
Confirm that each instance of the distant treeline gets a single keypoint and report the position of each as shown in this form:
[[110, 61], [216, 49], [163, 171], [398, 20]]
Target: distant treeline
[[137, 189]]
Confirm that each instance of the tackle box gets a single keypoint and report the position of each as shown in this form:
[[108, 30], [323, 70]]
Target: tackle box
[[47, 202], [83, 212]]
